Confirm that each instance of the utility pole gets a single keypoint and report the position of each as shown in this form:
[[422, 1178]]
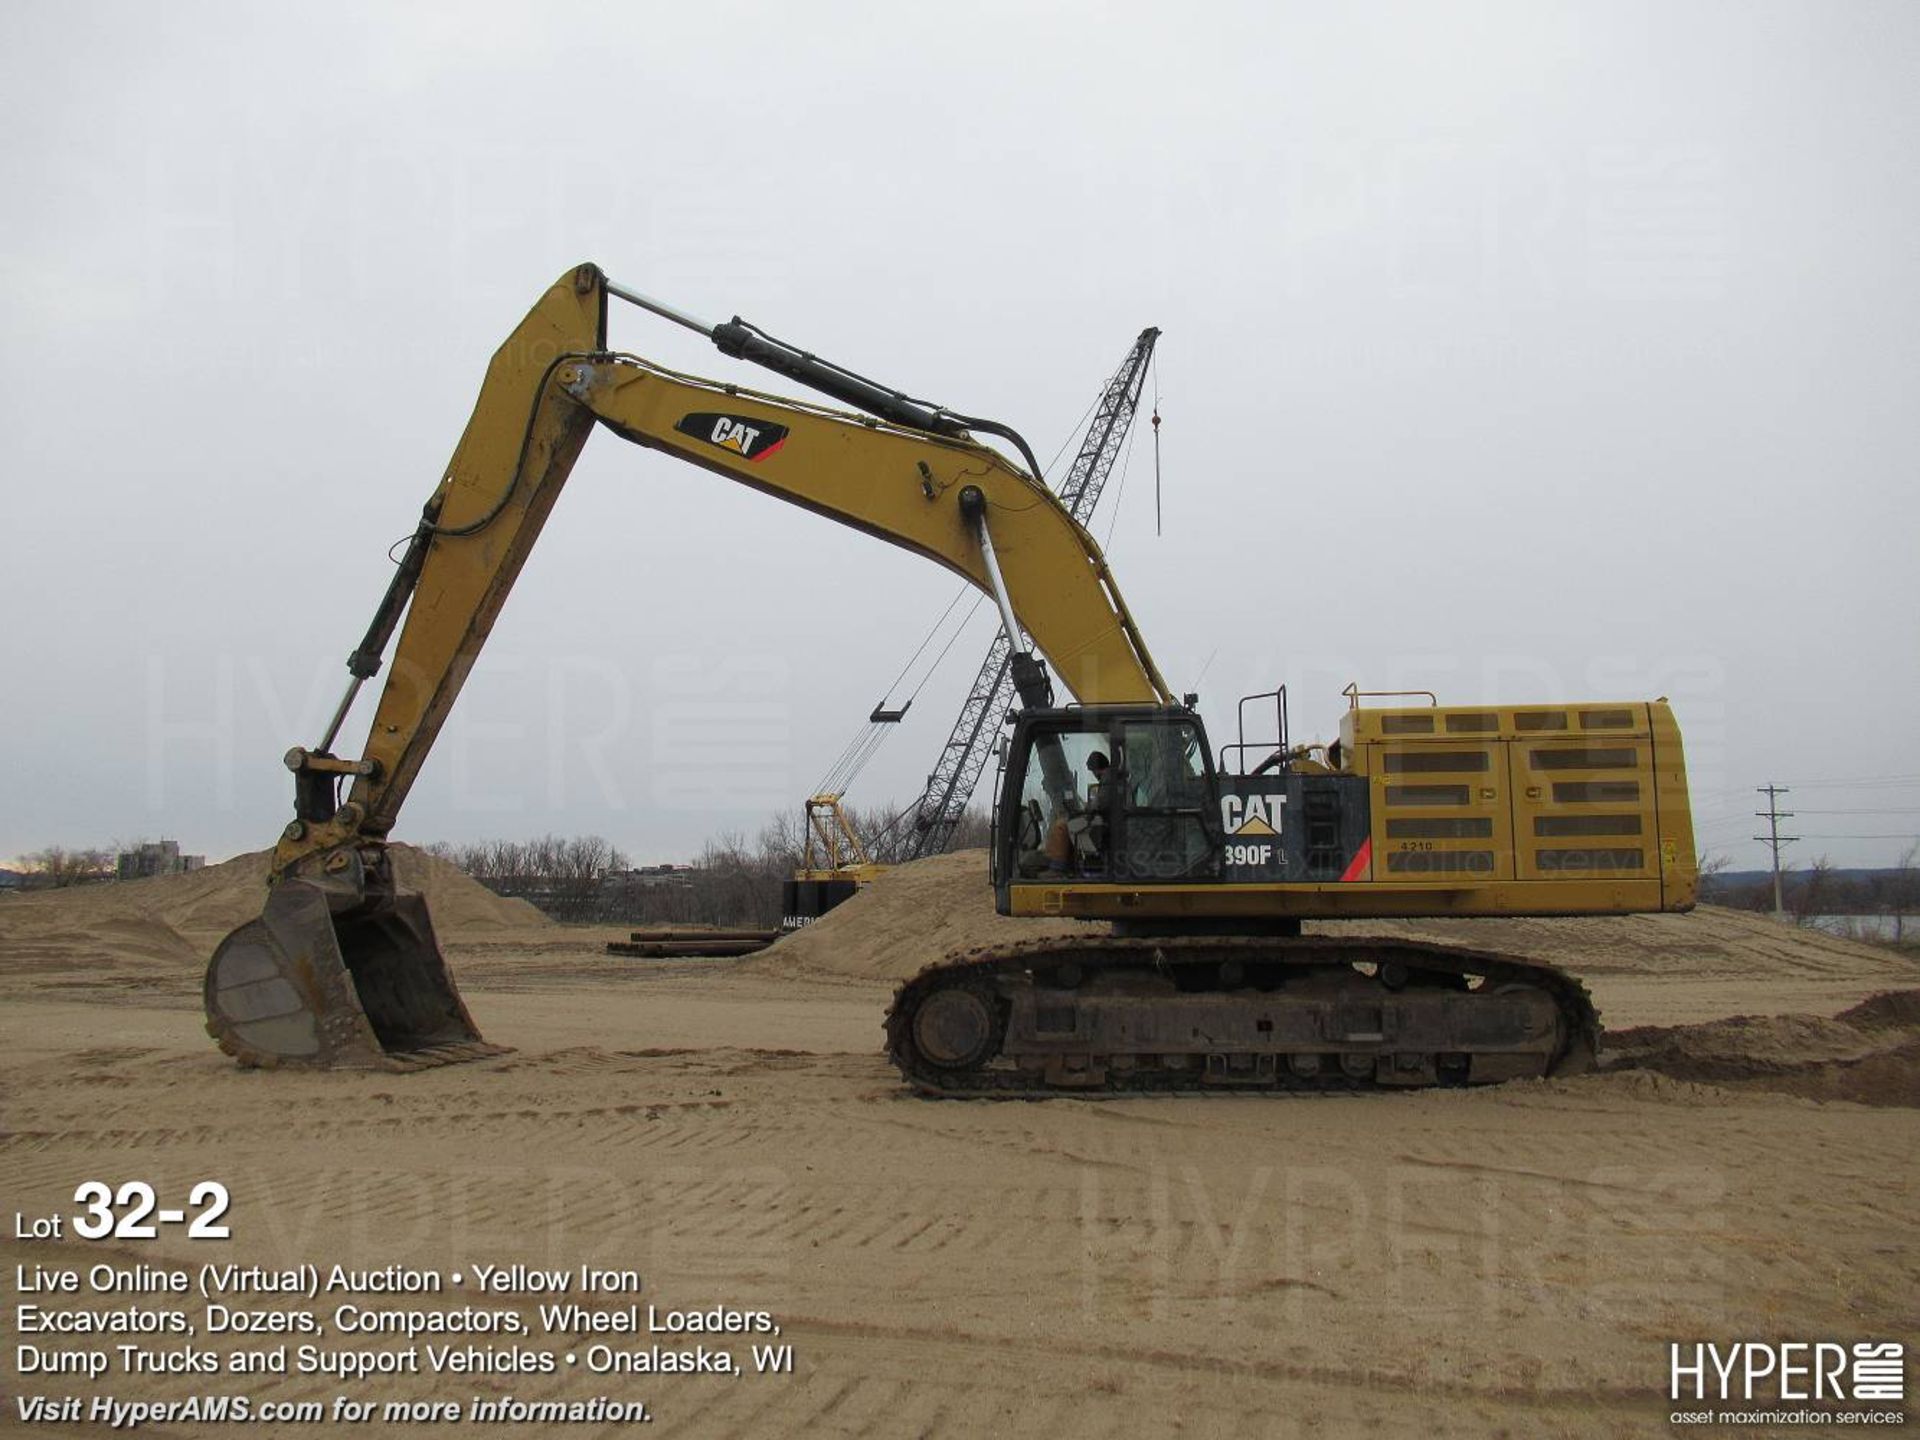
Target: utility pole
[[1773, 815]]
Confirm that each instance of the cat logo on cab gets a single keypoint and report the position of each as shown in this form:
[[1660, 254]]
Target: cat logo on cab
[[1250, 814], [749, 438], [1253, 823]]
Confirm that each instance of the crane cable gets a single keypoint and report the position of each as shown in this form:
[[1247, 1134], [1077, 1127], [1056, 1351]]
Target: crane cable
[[869, 737], [1120, 492], [1156, 441]]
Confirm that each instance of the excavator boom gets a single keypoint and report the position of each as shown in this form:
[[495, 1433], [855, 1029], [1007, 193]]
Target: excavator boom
[[342, 967]]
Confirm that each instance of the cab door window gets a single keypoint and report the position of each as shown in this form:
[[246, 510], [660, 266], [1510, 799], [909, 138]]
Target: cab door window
[[1163, 804]]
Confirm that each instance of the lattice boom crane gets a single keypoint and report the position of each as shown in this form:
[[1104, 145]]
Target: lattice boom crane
[[930, 821]]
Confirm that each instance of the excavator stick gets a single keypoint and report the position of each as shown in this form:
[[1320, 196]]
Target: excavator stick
[[341, 971]]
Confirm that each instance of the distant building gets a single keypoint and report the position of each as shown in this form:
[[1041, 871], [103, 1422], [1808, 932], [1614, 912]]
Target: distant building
[[161, 857], [10, 880]]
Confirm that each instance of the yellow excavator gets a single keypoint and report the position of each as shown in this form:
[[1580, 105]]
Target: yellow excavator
[[1114, 808]]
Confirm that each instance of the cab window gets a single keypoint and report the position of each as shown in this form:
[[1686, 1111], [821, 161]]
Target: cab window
[[1062, 828], [1131, 800]]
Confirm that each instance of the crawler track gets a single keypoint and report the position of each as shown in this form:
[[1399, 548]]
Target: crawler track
[[1110, 1016]]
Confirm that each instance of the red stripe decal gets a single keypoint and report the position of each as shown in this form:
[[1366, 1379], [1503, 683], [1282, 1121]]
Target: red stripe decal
[[770, 449], [1362, 858]]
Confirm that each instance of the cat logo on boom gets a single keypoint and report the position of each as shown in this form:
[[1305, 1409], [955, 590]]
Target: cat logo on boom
[[749, 438]]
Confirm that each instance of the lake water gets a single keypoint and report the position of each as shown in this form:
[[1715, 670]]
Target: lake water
[[1870, 927]]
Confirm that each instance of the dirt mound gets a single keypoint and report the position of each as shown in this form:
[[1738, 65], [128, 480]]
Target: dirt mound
[[914, 914], [1709, 942], [908, 918], [1894, 1008], [1869, 1054], [174, 921], [463, 908]]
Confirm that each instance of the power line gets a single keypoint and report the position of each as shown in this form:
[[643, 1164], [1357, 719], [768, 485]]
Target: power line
[[1895, 835], [1889, 782], [1860, 812], [1883, 782]]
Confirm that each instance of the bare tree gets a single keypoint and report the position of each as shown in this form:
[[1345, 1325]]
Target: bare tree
[[1810, 897], [1710, 863], [564, 876], [57, 867], [1905, 899], [888, 835], [733, 881]]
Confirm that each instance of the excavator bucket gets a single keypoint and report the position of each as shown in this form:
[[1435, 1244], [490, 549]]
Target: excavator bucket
[[330, 978]]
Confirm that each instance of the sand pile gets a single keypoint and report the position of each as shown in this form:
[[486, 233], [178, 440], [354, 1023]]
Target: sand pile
[[914, 914], [463, 908], [172, 922], [909, 917], [918, 912], [1710, 942], [1869, 1054]]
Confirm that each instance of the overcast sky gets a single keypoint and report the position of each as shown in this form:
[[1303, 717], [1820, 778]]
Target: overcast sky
[[1524, 352]]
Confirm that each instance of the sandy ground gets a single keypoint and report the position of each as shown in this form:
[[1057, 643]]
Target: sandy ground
[[1511, 1261]]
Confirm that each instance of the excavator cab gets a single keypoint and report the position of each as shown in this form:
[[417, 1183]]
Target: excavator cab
[[1165, 818], [1120, 794]]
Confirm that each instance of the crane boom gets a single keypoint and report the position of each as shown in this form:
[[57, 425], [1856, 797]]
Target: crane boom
[[931, 820]]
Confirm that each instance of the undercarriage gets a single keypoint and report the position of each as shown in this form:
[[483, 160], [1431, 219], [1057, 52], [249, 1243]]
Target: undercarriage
[[1106, 1015]]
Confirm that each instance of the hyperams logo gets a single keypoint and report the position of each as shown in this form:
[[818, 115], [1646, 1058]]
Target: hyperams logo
[[1745, 1382], [748, 438]]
